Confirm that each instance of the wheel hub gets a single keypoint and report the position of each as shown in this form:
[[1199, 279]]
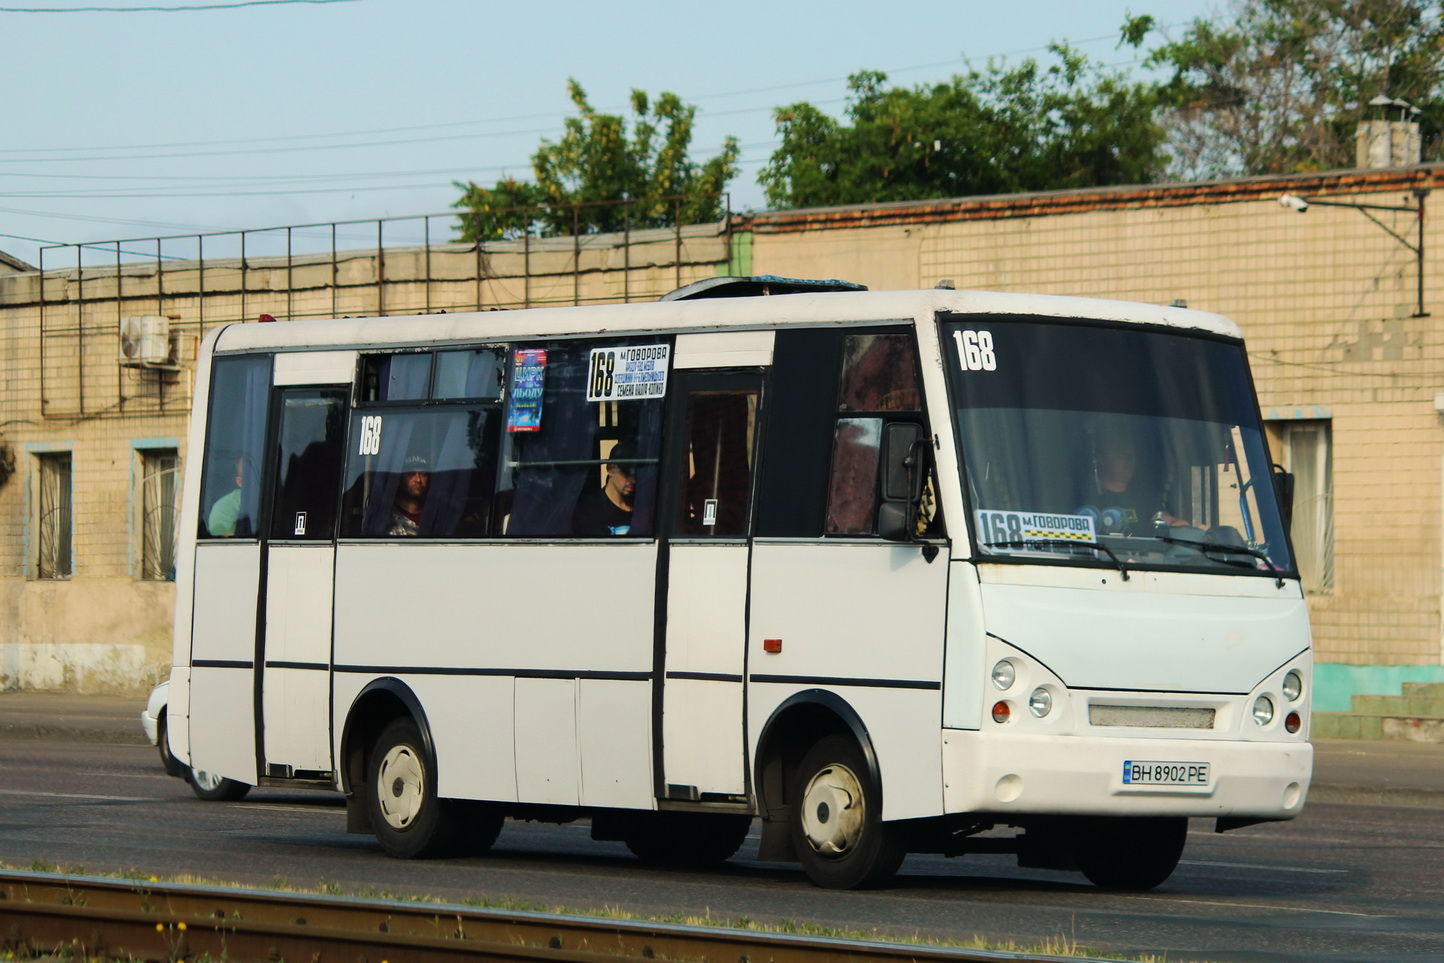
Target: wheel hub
[[832, 811], [206, 780], [402, 783]]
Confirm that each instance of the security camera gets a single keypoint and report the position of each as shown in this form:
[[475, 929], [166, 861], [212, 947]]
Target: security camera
[[1293, 202]]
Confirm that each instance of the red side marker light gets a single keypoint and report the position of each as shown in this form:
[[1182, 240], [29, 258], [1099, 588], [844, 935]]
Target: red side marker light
[[1293, 722], [771, 645]]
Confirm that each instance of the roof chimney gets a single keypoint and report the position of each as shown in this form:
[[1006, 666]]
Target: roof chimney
[[1388, 136]]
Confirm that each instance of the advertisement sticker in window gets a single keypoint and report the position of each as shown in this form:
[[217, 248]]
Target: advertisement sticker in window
[[528, 380]]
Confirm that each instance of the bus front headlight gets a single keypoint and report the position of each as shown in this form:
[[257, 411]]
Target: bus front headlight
[[1293, 686], [1003, 675], [1263, 710], [1040, 703]]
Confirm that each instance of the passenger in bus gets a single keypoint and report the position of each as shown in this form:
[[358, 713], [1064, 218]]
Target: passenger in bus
[[410, 497], [608, 510], [225, 515]]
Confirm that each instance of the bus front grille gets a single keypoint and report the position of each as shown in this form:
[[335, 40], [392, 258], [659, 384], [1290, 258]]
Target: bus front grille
[[1151, 717]]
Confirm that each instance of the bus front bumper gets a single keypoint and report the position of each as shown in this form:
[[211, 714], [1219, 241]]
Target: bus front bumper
[[1037, 774]]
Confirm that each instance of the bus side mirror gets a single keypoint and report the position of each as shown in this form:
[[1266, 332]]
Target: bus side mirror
[[901, 481], [1284, 489]]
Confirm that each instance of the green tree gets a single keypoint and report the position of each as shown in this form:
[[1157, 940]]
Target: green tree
[[1279, 86], [992, 131], [597, 162]]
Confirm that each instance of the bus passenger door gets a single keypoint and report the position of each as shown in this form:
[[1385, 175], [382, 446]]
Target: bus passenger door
[[295, 668], [708, 506]]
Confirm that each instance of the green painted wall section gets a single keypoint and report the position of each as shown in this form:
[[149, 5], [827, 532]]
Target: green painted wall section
[[739, 265], [1335, 683]]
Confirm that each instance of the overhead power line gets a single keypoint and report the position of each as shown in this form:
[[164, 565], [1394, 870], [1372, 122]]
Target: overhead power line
[[176, 9]]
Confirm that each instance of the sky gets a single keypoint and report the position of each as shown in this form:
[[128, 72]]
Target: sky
[[164, 118]]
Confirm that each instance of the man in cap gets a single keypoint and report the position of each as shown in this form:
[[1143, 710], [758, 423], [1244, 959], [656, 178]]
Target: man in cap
[[410, 497], [608, 510]]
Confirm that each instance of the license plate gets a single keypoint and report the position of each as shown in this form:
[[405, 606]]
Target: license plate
[[1155, 773]]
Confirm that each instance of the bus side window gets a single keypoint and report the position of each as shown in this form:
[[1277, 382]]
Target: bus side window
[[426, 473], [233, 474], [560, 450], [877, 387], [797, 440], [312, 427]]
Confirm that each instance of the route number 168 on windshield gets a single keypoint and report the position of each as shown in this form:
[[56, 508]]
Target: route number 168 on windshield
[[975, 350]]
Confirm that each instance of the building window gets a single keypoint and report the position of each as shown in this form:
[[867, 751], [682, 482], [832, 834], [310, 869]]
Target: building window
[[159, 506], [54, 523], [1307, 451]]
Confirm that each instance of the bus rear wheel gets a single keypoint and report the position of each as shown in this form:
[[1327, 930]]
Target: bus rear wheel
[[409, 820], [1129, 853], [214, 788], [686, 839], [836, 819]]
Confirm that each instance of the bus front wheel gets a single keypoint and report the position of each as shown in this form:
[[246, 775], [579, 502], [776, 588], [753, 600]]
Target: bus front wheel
[[1136, 853], [836, 819], [409, 820]]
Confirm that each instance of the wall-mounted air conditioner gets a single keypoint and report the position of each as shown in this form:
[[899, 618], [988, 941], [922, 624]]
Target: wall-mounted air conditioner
[[144, 341]]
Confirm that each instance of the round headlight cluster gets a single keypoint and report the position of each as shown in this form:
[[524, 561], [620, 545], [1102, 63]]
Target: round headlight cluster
[[1293, 686], [1263, 710]]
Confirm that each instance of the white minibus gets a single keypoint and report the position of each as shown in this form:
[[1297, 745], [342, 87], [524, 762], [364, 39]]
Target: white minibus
[[885, 572]]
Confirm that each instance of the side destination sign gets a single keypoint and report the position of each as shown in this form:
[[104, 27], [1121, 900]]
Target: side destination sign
[[630, 373]]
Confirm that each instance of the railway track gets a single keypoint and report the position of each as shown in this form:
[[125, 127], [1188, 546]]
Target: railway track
[[94, 918]]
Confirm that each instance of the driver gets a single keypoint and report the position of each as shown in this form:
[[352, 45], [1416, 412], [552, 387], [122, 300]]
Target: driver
[[1120, 503]]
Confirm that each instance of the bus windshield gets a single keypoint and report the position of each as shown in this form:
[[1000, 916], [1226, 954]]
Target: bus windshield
[[1086, 443]]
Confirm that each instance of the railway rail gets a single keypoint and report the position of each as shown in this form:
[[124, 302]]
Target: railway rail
[[93, 918]]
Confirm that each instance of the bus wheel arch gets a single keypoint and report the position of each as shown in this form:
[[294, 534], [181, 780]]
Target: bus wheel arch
[[375, 707], [796, 726]]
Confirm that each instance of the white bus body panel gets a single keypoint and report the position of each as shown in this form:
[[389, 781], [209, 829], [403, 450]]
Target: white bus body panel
[[1158, 643], [702, 730], [614, 740], [222, 696], [547, 615], [1139, 635], [1004, 773], [865, 621], [315, 368], [296, 694], [724, 349], [547, 768]]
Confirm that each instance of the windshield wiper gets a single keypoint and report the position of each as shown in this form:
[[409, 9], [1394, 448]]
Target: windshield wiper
[[1206, 547], [1070, 543]]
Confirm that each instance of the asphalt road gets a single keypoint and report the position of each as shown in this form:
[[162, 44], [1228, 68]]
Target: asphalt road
[[1343, 882]]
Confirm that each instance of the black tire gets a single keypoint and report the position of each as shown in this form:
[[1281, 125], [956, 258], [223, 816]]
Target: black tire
[[213, 788], [171, 764], [686, 839], [1129, 853], [835, 819], [409, 821]]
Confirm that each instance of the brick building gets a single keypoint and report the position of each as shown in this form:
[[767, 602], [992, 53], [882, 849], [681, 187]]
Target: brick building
[[1341, 306]]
